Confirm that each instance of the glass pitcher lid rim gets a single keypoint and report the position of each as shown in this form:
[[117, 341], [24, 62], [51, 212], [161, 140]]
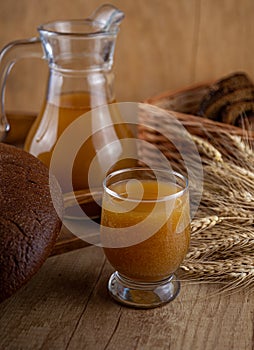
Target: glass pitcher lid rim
[[95, 28]]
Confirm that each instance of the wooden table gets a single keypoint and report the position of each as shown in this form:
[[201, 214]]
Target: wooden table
[[66, 306]]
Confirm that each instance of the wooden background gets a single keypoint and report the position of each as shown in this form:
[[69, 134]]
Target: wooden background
[[163, 44]]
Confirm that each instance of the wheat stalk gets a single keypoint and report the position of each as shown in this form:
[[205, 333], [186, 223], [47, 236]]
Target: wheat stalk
[[228, 244], [244, 147], [239, 271], [222, 233], [200, 225], [206, 149], [222, 238]]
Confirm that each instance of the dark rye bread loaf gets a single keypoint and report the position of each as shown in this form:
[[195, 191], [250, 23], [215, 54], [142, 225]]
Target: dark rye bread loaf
[[29, 223], [229, 99], [236, 112]]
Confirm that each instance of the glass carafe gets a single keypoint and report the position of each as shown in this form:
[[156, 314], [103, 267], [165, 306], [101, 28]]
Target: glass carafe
[[80, 59]]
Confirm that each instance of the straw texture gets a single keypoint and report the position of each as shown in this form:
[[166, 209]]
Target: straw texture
[[222, 231]]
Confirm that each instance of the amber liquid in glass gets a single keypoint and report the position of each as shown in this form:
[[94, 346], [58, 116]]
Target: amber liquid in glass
[[161, 254]]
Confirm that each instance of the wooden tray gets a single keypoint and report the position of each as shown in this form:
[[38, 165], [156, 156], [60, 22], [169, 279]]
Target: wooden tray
[[67, 242]]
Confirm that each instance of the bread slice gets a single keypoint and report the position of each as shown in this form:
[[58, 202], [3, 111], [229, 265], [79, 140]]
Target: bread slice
[[235, 113], [29, 217], [226, 91]]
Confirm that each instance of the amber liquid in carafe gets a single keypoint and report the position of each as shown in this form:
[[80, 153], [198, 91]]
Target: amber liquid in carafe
[[51, 123]]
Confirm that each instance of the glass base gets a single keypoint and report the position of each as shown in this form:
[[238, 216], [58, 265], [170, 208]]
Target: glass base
[[141, 294]]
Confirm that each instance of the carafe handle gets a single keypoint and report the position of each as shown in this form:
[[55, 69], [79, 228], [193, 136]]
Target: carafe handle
[[9, 55], [107, 16]]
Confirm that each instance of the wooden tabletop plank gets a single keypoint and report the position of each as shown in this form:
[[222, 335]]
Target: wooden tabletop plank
[[48, 308], [66, 306]]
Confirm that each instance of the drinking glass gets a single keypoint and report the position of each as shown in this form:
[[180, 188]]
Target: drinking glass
[[145, 233]]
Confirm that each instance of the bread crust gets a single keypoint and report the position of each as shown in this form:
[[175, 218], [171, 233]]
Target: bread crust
[[30, 220], [236, 88]]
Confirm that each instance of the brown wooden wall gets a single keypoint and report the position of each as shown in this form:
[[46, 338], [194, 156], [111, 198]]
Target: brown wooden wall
[[163, 44]]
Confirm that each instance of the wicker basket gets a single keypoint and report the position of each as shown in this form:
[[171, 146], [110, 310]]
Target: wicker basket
[[186, 102], [157, 126]]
